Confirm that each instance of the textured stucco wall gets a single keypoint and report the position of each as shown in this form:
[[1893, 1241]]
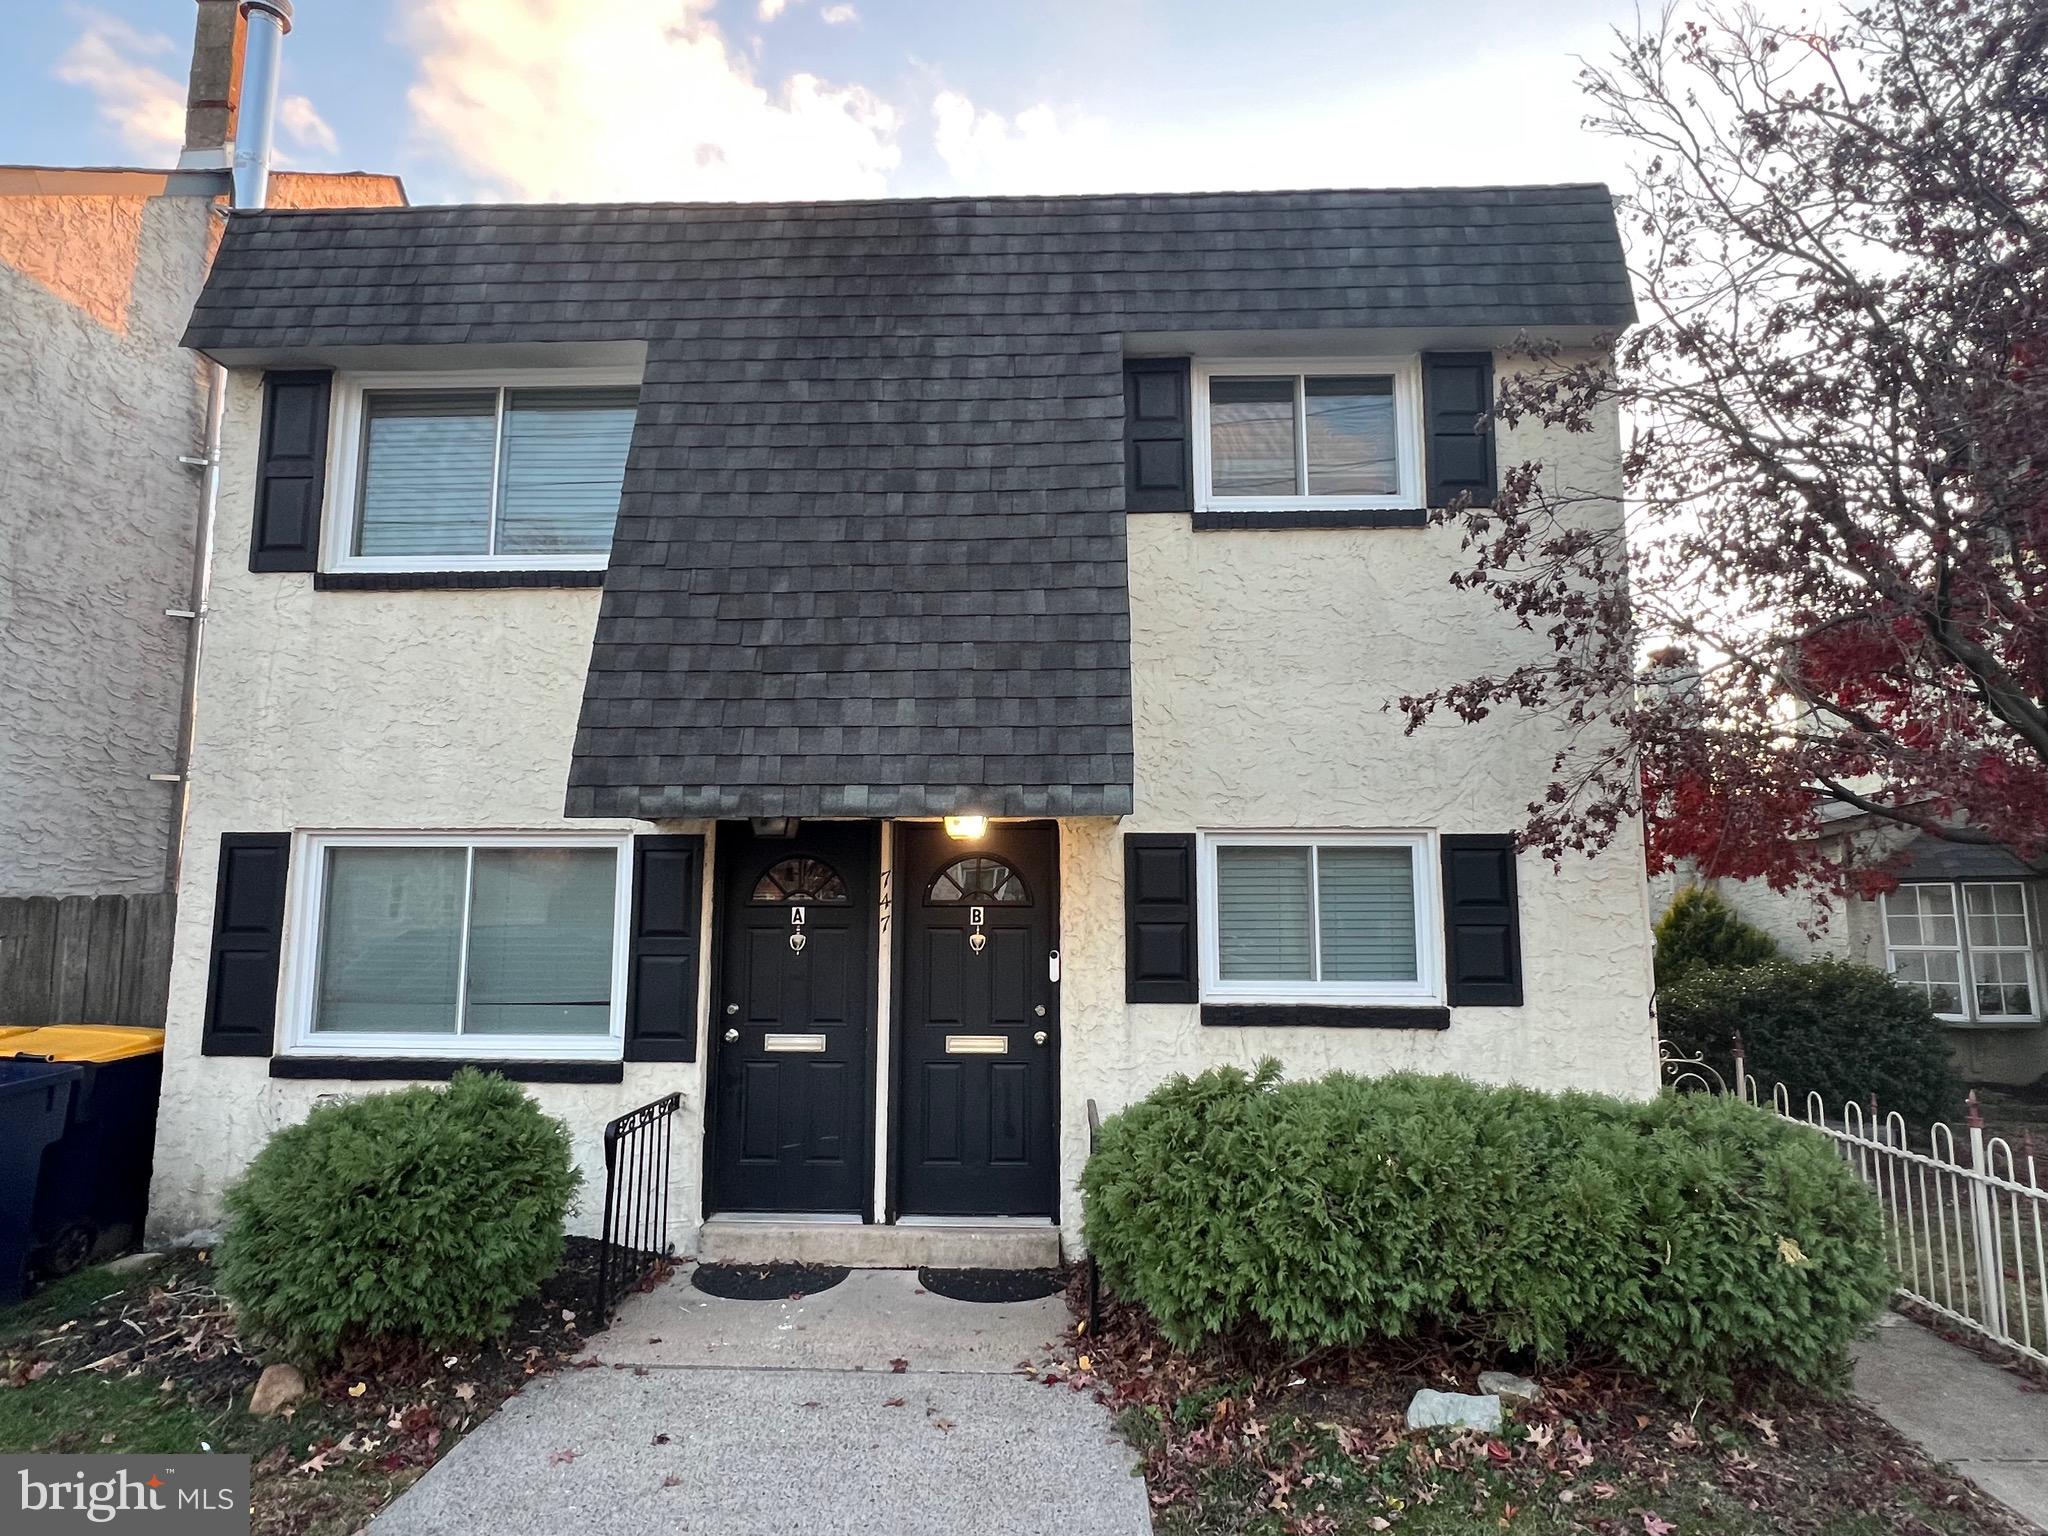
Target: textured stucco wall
[[428, 710], [98, 274], [1260, 664], [97, 402]]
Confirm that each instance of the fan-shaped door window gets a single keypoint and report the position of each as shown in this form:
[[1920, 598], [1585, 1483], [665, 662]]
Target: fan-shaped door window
[[807, 880], [981, 880]]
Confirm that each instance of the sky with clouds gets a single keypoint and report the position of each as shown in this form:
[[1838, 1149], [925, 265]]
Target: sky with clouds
[[724, 99]]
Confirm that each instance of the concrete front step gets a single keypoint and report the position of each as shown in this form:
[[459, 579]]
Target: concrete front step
[[729, 1240]]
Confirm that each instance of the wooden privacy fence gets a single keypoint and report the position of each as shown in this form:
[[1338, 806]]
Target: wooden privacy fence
[[85, 959]]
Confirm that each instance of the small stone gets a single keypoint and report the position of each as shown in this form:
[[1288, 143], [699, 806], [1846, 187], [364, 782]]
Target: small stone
[[1516, 1389], [1453, 1410], [199, 1237], [133, 1263], [278, 1386]]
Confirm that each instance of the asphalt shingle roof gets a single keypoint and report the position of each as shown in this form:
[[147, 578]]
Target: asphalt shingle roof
[[870, 554]]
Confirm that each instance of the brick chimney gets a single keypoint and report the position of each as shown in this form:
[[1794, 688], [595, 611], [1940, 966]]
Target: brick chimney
[[215, 90]]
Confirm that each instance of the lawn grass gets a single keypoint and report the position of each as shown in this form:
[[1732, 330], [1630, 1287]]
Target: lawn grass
[[150, 1363]]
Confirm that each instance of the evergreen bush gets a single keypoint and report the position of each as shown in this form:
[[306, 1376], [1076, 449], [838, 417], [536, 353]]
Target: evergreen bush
[[1700, 929], [423, 1215], [1832, 1027], [1690, 1238]]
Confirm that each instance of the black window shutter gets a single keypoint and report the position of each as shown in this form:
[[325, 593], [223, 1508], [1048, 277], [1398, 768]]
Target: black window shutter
[[1457, 389], [1160, 953], [1482, 921], [1159, 466], [661, 990], [291, 470], [248, 937]]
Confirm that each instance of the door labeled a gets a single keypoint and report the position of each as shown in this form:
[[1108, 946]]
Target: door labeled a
[[793, 1015]]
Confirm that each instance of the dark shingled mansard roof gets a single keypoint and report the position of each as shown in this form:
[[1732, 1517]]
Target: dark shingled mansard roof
[[870, 555]]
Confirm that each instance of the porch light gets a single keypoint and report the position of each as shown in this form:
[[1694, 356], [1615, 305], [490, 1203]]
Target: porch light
[[966, 828]]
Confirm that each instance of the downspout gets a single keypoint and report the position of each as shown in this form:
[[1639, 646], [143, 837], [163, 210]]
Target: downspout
[[255, 129]]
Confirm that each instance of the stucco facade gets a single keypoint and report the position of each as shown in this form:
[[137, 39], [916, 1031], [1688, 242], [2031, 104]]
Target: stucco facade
[[98, 406], [1260, 664], [97, 403]]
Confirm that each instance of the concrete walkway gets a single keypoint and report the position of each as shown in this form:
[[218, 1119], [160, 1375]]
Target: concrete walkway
[[1989, 1424], [736, 1418]]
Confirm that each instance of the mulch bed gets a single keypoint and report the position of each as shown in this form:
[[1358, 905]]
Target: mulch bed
[[375, 1422], [992, 1285], [1249, 1438], [766, 1282]]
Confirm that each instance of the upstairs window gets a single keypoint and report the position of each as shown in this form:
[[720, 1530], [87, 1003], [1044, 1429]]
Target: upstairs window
[[1337, 435], [467, 474], [1965, 947]]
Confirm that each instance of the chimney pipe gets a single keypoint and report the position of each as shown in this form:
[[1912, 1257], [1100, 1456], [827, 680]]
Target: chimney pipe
[[256, 125]]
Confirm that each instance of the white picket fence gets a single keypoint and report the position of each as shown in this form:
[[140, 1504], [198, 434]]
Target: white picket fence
[[1966, 1222]]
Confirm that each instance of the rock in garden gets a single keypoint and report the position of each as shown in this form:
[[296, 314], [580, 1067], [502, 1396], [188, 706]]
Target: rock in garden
[[1516, 1389], [199, 1237], [1453, 1410], [276, 1387], [129, 1264]]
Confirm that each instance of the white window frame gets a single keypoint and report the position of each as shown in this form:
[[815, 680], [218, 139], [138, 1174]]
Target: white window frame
[[344, 465], [1963, 950], [1407, 375], [1428, 986], [307, 885]]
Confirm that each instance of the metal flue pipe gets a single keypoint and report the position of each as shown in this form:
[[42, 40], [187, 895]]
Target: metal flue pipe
[[256, 119]]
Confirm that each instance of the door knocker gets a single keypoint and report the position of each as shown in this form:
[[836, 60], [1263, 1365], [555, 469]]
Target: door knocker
[[796, 923], [977, 940]]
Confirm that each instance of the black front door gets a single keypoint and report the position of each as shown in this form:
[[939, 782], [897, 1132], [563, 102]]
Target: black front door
[[792, 1016], [979, 1039]]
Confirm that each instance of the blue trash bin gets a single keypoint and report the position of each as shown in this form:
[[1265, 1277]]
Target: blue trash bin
[[35, 1108]]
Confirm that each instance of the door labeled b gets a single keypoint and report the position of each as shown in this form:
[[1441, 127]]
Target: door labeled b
[[979, 1039]]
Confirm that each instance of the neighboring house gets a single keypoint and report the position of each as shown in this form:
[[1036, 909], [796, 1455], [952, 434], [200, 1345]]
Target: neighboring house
[[102, 435], [1964, 928], [625, 618]]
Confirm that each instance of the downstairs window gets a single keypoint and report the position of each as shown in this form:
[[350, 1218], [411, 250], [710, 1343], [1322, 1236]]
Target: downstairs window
[[1338, 917], [484, 947]]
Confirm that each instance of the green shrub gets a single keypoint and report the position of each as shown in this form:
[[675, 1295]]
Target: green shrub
[[1831, 1027], [426, 1214], [1700, 929], [1690, 1238]]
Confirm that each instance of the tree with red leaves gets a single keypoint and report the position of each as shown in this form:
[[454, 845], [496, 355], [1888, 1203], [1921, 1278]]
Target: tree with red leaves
[[1831, 595]]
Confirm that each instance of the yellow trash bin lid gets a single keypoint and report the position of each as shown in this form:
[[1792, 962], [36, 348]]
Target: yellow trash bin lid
[[82, 1042]]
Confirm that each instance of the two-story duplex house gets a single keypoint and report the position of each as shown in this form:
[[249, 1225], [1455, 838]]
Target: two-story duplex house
[[891, 672]]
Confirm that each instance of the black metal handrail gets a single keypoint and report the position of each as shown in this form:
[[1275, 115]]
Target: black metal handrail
[[1094, 1270], [634, 1239]]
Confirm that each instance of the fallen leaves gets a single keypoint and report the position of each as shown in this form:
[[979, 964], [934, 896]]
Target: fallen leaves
[[899, 1365], [560, 1458]]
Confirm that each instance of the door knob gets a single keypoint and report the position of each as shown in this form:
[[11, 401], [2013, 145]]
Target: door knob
[[1039, 1037], [731, 1035]]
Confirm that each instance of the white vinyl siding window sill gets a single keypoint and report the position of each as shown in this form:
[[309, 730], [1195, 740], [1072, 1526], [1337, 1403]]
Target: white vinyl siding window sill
[[342, 499], [306, 928], [1406, 374], [1425, 907]]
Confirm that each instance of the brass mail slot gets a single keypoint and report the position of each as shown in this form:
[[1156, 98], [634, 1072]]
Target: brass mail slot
[[792, 1042], [977, 1045]]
